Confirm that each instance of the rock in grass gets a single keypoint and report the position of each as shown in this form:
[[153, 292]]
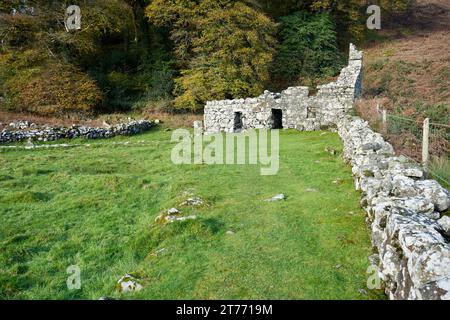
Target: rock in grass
[[163, 217], [195, 202], [278, 197], [172, 215], [159, 252], [128, 283], [173, 211], [172, 219]]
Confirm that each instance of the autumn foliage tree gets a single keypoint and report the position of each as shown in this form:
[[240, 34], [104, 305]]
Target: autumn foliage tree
[[42, 69], [224, 48]]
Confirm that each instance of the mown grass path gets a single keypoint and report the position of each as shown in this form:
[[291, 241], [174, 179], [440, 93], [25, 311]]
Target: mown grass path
[[95, 207]]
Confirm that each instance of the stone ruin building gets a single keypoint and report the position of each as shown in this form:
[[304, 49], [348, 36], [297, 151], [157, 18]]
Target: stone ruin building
[[293, 108]]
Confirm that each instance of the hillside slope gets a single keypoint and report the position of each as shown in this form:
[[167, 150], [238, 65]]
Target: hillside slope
[[407, 73], [411, 65]]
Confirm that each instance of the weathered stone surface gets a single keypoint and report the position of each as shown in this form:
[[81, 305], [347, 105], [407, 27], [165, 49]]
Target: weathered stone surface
[[172, 216], [403, 186], [433, 191], [371, 146], [444, 222], [416, 258]]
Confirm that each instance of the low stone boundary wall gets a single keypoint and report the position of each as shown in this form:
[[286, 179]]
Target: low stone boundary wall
[[405, 215], [56, 133]]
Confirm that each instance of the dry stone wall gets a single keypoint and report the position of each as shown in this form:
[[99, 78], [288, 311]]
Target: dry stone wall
[[25, 131], [299, 110], [405, 214]]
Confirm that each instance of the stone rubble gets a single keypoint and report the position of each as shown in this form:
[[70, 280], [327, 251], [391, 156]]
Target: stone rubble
[[198, 128], [24, 130]]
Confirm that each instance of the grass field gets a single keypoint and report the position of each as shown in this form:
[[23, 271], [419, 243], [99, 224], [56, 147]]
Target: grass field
[[94, 206]]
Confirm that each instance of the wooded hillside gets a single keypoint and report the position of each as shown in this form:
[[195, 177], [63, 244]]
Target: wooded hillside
[[169, 54]]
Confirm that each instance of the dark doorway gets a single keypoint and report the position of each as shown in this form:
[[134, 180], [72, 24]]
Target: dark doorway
[[277, 117], [237, 121]]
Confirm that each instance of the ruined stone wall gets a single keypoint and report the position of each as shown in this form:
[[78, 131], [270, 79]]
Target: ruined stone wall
[[300, 111], [405, 213]]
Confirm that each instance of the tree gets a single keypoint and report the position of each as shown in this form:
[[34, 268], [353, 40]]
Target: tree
[[224, 48], [107, 65], [44, 67], [308, 48]]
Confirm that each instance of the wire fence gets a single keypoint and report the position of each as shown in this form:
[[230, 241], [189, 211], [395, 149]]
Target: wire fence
[[424, 142]]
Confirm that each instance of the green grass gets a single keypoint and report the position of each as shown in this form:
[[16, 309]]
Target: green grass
[[440, 170], [95, 207]]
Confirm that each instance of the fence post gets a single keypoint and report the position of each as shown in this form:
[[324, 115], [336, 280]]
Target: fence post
[[425, 143], [385, 120]]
